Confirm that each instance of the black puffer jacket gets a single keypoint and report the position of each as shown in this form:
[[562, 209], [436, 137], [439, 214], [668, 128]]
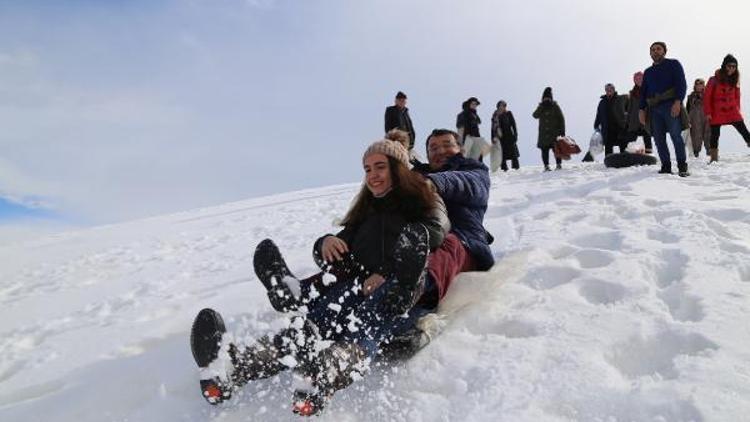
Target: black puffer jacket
[[372, 240]]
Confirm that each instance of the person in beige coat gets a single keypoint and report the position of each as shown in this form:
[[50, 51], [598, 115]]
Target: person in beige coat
[[700, 129]]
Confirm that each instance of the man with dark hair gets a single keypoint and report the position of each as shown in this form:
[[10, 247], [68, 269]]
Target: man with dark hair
[[611, 119], [397, 117], [662, 92], [464, 185]]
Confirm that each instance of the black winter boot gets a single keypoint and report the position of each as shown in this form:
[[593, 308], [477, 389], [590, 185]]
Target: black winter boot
[[410, 260], [666, 168], [273, 272], [205, 343], [683, 169]]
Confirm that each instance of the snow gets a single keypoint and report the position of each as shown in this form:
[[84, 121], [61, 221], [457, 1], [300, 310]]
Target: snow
[[618, 295]]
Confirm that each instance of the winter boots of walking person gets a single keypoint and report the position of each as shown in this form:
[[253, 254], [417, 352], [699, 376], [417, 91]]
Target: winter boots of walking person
[[504, 135], [634, 127], [663, 90], [721, 104], [551, 125], [611, 119], [700, 130]]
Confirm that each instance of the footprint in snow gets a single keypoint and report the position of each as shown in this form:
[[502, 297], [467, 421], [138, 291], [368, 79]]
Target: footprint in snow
[[594, 258], [671, 267], [655, 356], [729, 215], [682, 306], [549, 277], [611, 241], [662, 235], [733, 247], [600, 292]]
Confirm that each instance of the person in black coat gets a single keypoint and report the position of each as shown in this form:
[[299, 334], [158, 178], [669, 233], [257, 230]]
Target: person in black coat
[[468, 121], [504, 131], [611, 119], [397, 117]]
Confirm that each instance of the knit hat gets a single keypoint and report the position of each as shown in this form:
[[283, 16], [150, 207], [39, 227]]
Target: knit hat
[[728, 59], [388, 148], [400, 95], [473, 100], [547, 93]]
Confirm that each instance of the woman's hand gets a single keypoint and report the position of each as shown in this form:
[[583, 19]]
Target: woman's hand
[[333, 248], [372, 283]]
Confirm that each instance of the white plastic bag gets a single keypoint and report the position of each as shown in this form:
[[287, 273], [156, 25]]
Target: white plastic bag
[[596, 145], [496, 156], [688, 142], [474, 147]]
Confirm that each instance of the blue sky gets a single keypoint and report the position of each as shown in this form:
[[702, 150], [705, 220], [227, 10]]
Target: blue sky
[[10, 210], [119, 110]]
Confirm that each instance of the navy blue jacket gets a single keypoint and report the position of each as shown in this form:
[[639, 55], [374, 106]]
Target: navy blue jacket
[[661, 77], [464, 185]]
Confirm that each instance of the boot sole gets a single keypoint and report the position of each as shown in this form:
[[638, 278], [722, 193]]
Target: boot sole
[[205, 336], [268, 264]]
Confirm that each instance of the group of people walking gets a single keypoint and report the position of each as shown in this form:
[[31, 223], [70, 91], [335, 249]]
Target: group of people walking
[[654, 107]]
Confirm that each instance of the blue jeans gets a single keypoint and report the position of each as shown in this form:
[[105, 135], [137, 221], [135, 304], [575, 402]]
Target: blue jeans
[[343, 313], [662, 123]]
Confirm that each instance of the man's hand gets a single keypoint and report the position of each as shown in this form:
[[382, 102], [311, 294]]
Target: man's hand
[[372, 283], [676, 106], [642, 116], [333, 249]]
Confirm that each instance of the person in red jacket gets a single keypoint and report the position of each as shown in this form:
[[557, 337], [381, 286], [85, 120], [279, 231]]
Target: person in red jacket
[[722, 104]]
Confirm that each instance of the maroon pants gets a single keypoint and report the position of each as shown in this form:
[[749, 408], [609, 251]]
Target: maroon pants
[[447, 261]]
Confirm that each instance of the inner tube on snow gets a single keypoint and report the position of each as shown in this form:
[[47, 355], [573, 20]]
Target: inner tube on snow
[[626, 159]]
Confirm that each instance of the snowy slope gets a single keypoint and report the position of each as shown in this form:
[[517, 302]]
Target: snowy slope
[[618, 295]]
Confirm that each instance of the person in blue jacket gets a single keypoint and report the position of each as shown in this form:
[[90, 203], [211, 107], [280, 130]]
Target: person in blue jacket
[[464, 185], [662, 93]]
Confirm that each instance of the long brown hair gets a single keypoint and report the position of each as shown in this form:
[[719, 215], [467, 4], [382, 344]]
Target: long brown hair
[[724, 77], [414, 196]]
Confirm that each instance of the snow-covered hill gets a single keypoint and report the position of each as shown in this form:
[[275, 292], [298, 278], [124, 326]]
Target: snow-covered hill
[[618, 295]]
